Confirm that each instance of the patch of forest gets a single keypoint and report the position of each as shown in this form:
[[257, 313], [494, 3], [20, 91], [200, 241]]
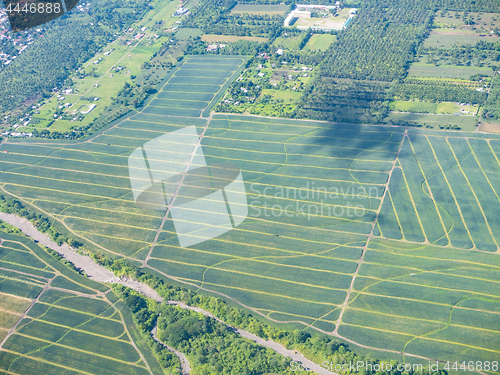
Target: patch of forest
[[66, 43], [214, 17]]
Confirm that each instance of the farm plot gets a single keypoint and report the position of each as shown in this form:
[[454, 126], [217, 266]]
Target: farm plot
[[447, 38], [316, 192], [268, 9], [439, 308], [443, 192], [418, 69], [63, 330], [300, 243]]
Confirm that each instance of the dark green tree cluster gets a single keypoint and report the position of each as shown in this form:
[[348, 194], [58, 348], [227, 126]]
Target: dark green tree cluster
[[213, 348], [66, 43], [465, 5], [346, 101], [415, 89], [145, 313], [214, 17], [380, 42], [481, 54], [42, 223], [492, 105]]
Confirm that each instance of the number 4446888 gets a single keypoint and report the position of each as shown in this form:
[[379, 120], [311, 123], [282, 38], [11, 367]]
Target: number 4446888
[[35, 8], [472, 366]]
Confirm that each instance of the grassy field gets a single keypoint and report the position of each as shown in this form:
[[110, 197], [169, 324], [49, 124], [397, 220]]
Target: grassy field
[[419, 69], [447, 38], [231, 38], [320, 42], [486, 21], [437, 108], [435, 121], [418, 207], [64, 331], [260, 9]]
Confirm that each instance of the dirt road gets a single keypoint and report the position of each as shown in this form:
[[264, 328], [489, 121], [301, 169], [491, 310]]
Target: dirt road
[[99, 273]]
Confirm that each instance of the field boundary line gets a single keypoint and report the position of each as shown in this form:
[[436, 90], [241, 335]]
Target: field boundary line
[[126, 177], [263, 133], [418, 300], [38, 359], [446, 260], [430, 195], [474, 193], [90, 152], [412, 201], [425, 320], [285, 313], [260, 260], [247, 274], [489, 183], [451, 190], [369, 237], [422, 337], [259, 292], [52, 305], [80, 350], [252, 275]]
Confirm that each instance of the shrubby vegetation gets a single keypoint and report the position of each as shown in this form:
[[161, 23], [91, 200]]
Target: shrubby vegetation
[[492, 105], [42, 223], [213, 17], [415, 89]]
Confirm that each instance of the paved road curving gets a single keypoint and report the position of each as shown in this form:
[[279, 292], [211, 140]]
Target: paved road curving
[[101, 274]]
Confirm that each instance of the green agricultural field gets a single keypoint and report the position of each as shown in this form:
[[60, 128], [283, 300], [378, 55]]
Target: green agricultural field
[[63, 331], [419, 69], [437, 108], [435, 121], [447, 38], [382, 235], [320, 42], [260, 9]]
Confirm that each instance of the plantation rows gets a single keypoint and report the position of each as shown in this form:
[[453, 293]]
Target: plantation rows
[[67, 326]]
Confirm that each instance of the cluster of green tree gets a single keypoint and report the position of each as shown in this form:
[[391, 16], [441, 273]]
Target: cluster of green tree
[[67, 42], [48, 62], [63, 260], [42, 223], [482, 54], [491, 108], [213, 348], [214, 17], [145, 313], [7, 228], [465, 5], [380, 42], [350, 101], [116, 14], [241, 47], [315, 346], [415, 89]]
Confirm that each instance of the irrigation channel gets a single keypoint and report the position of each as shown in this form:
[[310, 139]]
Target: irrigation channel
[[100, 274]]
